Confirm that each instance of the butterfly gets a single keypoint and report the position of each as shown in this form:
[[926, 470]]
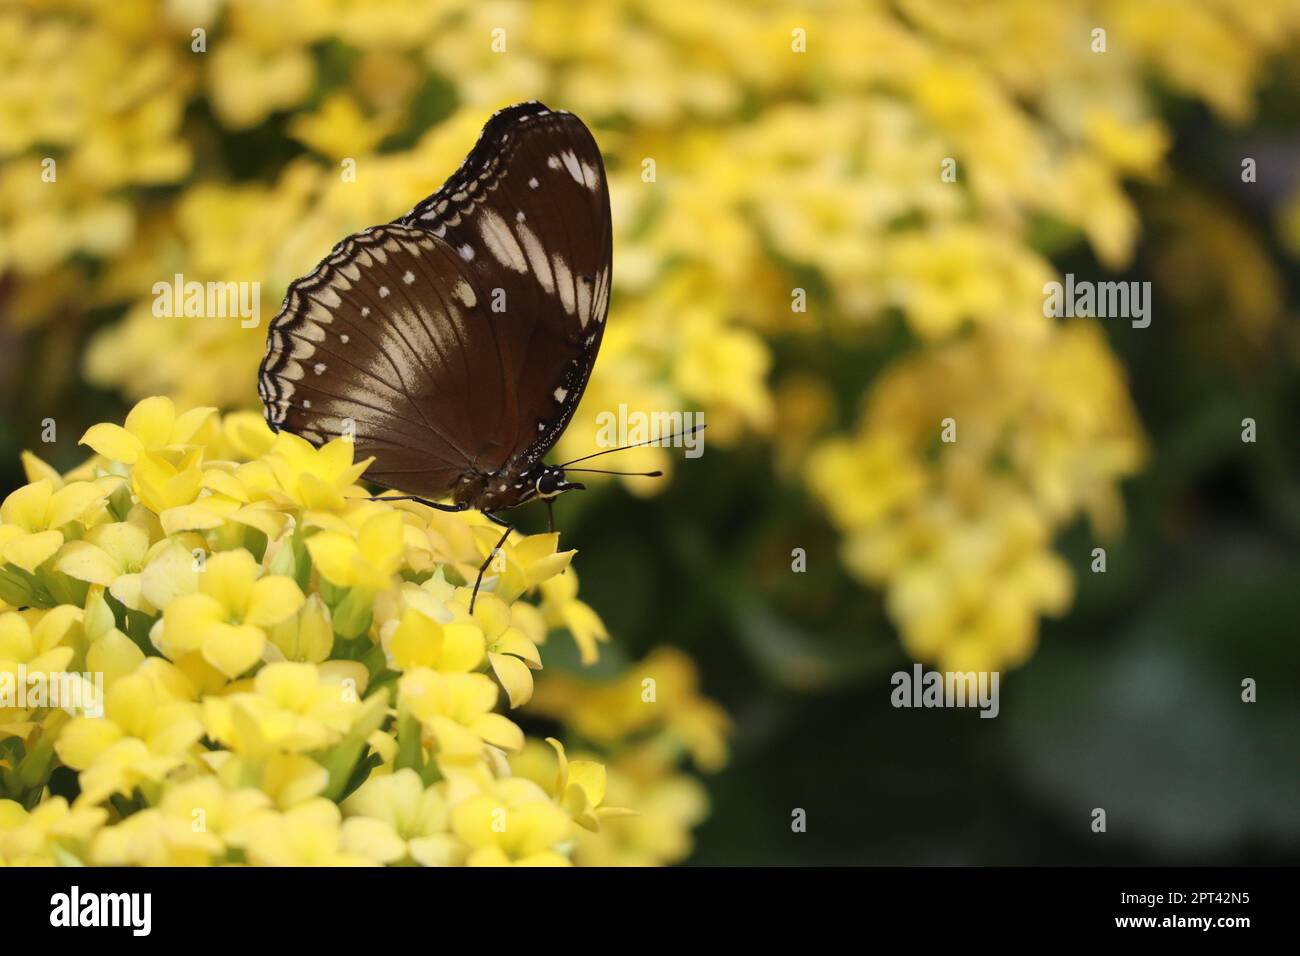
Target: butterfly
[[454, 343]]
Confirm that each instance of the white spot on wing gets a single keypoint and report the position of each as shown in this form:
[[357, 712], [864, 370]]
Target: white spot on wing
[[561, 394], [584, 303], [601, 303], [532, 182], [383, 292], [571, 164], [537, 259], [563, 282], [408, 277], [466, 252], [465, 294], [502, 243]]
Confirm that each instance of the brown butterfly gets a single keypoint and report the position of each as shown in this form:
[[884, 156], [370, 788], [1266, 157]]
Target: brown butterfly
[[454, 343]]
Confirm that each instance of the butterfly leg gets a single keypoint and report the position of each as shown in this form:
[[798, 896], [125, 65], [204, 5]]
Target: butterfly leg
[[491, 554], [550, 515], [436, 505]]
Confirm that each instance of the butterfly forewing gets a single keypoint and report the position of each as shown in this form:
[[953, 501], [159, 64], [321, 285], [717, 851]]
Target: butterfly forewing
[[457, 340]]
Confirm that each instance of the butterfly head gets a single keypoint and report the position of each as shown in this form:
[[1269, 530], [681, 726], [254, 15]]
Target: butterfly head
[[551, 483]]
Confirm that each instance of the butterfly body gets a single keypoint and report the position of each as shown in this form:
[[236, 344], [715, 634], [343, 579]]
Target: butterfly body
[[511, 487], [454, 343]]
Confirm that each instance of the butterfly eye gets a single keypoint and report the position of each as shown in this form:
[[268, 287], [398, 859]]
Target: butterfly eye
[[548, 484]]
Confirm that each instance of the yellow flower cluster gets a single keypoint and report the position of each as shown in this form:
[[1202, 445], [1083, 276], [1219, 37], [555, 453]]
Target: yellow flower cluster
[[967, 460], [216, 648], [883, 160], [646, 719]]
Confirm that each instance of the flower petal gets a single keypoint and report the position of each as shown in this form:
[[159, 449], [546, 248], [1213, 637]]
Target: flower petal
[[113, 442], [272, 600], [232, 649], [30, 551], [85, 562], [152, 420], [514, 676]]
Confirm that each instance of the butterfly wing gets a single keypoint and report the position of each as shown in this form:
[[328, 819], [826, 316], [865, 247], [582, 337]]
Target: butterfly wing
[[457, 339], [529, 212], [369, 345]]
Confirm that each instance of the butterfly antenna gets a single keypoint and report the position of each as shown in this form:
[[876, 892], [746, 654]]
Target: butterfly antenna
[[629, 474], [650, 441]]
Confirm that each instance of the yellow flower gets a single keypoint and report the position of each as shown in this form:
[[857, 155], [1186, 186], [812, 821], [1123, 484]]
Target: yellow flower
[[511, 653], [661, 693], [367, 560], [152, 426], [108, 553], [339, 128], [882, 474], [960, 537], [243, 436], [171, 570], [50, 834], [561, 608], [395, 817], [291, 707], [240, 742], [307, 636], [163, 485], [39, 649], [456, 712], [150, 727], [579, 786], [226, 620], [523, 563], [191, 826], [307, 476], [418, 641], [724, 369], [309, 834], [32, 519], [512, 823], [111, 652], [249, 82], [666, 806]]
